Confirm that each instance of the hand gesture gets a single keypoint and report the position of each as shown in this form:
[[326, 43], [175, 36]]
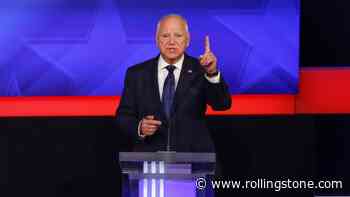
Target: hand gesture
[[149, 125], [208, 59]]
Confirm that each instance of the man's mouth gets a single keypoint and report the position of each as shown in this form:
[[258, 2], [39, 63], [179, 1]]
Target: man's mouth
[[172, 50]]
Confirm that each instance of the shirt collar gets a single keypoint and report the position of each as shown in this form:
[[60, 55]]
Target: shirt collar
[[162, 63]]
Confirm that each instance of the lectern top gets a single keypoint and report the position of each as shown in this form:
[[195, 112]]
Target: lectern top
[[169, 157]]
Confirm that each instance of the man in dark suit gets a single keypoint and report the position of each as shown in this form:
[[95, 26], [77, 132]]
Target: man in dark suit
[[165, 98]]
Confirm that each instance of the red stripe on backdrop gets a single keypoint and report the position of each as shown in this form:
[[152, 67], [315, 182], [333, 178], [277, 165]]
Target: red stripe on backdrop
[[324, 91], [321, 91], [106, 106], [259, 105], [58, 106]]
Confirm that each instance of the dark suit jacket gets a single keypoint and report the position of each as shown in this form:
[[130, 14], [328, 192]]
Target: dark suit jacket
[[189, 132]]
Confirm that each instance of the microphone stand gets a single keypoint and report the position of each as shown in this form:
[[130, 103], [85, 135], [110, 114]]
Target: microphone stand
[[168, 154], [168, 148]]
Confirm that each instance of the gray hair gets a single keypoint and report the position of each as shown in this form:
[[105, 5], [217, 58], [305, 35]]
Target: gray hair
[[169, 16]]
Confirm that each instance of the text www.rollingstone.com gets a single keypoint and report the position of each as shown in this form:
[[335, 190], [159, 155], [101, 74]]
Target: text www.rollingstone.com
[[264, 184]]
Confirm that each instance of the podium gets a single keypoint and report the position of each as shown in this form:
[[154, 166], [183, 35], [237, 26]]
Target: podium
[[166, 174]]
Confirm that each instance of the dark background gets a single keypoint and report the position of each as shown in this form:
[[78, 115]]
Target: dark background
[[77, 156], [325, 33]]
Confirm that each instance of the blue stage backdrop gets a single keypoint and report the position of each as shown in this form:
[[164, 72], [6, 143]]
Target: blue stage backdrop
[[83, 47]]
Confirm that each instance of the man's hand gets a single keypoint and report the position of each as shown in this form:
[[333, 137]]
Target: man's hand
[[149, 125], [208, 59]]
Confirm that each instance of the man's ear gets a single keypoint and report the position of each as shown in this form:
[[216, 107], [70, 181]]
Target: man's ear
[[188, 39], [156, 39]]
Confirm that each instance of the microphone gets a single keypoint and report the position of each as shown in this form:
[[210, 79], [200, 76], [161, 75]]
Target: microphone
[[168, 150], [168, 147], [171, 126]]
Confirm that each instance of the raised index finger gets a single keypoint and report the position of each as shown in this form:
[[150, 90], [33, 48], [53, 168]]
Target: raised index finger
[[207, 44]]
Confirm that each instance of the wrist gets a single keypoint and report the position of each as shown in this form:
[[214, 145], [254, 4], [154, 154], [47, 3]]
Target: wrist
[[213, 73]]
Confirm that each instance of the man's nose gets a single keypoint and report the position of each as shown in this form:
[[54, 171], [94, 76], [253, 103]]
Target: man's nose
[[172, 40]]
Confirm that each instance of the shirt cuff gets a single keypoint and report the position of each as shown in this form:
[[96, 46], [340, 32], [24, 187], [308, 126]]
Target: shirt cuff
[[139, 131], [215, 79]]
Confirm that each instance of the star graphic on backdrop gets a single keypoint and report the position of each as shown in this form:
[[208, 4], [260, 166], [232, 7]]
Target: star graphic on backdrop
[[95, 52]]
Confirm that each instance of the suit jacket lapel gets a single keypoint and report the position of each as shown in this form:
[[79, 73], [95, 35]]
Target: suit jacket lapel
[[187, 75], [153, 74]]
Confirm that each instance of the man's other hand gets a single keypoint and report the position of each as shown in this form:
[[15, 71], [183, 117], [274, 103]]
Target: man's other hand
[[149, 125]]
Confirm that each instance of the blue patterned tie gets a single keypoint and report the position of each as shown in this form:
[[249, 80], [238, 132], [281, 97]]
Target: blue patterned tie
[[168, 90]]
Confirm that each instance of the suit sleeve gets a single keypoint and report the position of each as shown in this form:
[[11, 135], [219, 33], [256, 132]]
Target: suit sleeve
[[218, 95], [127, 114]]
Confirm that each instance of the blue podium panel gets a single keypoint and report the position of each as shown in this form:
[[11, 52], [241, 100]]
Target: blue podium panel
[[168, 186], [165, 174]]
